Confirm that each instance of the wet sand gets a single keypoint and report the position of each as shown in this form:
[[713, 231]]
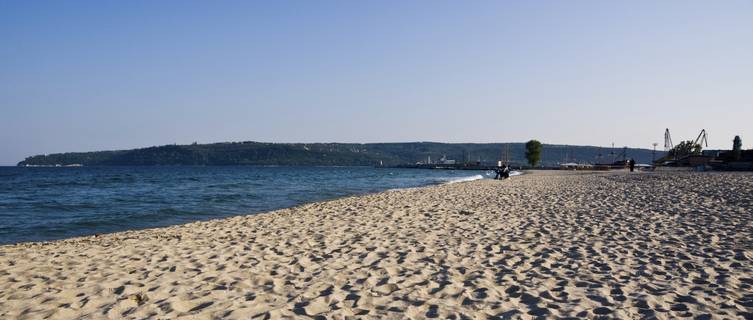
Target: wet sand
[[547, 244]]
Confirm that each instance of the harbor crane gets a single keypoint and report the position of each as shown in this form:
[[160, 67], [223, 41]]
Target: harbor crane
[[668, 141], [702, 139]]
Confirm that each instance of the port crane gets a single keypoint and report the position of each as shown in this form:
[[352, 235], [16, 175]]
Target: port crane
[[668, 141], [702, 139]]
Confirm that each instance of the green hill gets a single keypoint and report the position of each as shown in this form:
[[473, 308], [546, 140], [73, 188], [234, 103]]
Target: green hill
[[340, 154]]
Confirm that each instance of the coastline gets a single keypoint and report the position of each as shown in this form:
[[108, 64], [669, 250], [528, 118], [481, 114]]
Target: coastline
[[46, 204], [541, 244], [129, 232]]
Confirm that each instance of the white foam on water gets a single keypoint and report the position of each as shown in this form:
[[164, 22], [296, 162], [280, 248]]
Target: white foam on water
[[465, 179]]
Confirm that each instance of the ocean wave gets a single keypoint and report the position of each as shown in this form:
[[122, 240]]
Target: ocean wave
[[465, 179], [513, 173], [40, 205]]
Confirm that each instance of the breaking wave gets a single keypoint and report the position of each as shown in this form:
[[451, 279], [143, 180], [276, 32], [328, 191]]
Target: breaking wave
[[465, 179]]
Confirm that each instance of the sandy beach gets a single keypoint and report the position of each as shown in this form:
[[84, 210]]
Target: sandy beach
[[547, 244]]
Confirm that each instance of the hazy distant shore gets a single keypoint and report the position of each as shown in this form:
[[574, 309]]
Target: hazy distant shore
[[556, 244], [326, 154]]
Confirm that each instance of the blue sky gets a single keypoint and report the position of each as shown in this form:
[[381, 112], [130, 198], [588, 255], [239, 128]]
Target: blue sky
[[83, 76]]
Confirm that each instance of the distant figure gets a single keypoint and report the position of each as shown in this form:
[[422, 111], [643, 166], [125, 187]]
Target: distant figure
[[503, 172], [631, 164]]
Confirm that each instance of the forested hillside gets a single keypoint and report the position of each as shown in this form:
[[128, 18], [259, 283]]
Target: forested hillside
[[341, 154]]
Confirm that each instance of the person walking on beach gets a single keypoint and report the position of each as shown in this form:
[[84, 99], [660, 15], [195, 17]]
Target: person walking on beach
[[631, 164], [498, 171], [505, 172]]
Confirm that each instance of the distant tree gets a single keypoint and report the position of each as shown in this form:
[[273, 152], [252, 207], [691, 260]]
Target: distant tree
[[737, 146], [533, 152], [686, 148]]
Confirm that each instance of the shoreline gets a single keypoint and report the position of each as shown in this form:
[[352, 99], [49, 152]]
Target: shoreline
[[103, 216], [97, 235], [554, 244]]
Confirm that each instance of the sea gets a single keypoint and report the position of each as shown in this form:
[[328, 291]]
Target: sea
[[40, 204]]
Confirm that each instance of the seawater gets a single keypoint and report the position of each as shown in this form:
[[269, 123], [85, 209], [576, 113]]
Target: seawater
[[38, 204]]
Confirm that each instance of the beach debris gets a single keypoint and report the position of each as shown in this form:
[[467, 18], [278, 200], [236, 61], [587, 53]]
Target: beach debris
[[139, 298]]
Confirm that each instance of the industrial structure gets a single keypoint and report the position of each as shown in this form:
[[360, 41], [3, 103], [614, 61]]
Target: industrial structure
[[689, 159]]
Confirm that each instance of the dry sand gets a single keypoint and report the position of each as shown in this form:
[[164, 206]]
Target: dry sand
[[551, 244]]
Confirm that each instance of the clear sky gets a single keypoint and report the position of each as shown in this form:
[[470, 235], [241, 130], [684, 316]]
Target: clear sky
[[83, 76]]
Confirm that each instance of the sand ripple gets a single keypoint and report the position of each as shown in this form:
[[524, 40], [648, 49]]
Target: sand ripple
[[542, 245]]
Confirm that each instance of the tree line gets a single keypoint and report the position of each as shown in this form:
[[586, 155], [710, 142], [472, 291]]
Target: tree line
[[344, 154]]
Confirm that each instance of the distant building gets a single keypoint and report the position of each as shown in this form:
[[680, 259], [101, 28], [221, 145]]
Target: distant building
[[444, 160]]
